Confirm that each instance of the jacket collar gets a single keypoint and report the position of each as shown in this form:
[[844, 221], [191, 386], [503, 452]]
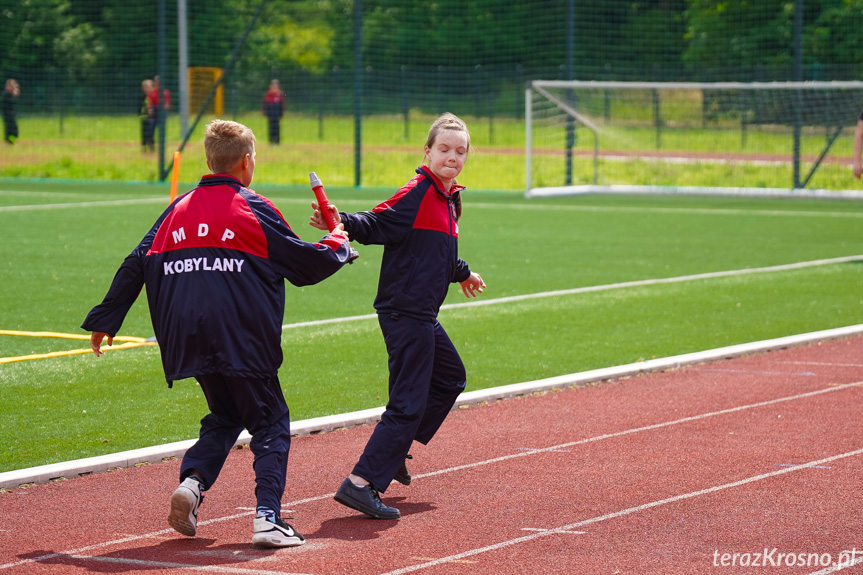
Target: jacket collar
[[425, 171], [219, 180]]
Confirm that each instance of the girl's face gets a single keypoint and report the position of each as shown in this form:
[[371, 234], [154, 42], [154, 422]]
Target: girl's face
[[447, 155]]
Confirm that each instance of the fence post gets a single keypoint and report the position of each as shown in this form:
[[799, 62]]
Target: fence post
[[358, 90]]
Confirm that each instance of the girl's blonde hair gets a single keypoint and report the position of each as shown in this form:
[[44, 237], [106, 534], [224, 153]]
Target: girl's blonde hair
[[449, 121], [226, 143]]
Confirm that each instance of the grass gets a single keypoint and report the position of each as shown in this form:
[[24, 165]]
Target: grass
[[106, 148], [63, 242]]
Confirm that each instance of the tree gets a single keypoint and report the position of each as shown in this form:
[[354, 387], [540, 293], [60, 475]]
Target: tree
[[738, 36], [837, 36], [43, 34]]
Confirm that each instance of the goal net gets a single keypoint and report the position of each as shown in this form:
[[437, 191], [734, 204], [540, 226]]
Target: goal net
[[727, 138]]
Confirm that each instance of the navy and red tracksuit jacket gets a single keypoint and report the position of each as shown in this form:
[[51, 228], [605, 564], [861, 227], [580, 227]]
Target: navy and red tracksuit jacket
[[273, 106], [214, 266], [419, 232]]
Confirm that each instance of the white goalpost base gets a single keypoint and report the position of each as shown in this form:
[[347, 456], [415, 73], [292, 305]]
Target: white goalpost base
[[766, 139], [694, 191]]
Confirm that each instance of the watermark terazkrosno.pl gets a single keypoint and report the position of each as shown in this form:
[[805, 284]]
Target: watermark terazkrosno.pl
[[773, 557]]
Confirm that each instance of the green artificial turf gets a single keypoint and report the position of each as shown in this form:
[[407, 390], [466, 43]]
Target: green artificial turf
[[64, 241]]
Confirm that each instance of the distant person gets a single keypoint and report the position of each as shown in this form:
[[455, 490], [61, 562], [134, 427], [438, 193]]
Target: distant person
[[418, 228], [274, 108], [214, 265], [156, 95], [10, 115], [858, 147], [147, 115]]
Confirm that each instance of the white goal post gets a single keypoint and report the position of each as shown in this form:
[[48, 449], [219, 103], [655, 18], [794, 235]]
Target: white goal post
[[759, 138]]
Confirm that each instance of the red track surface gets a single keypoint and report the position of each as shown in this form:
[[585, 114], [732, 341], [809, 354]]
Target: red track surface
[[670, 473]]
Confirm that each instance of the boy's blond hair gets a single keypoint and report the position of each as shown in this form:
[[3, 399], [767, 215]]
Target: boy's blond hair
[[226, 143]]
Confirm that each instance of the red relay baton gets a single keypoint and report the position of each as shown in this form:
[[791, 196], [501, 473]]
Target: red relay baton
[[323, 202]]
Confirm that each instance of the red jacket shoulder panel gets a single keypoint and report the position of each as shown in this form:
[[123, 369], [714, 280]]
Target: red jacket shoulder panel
[[214, 216]]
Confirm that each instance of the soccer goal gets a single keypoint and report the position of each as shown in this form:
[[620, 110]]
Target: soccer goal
[[713, 138]]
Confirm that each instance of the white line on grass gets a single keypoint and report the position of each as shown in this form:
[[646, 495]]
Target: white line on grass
[[112, 203], [483, 205], [544, 207], [37, 207], [606, 287], [45, 194], [655, 210], [626, 209], [297, 503]]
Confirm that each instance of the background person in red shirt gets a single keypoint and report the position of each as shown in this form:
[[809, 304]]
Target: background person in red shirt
[[274, 108], [153, 103]]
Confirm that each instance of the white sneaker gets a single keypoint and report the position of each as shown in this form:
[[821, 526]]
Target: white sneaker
[[278, 534], [184, 507]]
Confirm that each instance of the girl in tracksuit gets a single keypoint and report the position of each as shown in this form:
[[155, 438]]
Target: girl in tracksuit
[[418, 228]]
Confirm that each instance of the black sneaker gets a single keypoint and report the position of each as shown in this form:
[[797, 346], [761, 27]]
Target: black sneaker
[[275, 534], [365, 499], [402, 475]]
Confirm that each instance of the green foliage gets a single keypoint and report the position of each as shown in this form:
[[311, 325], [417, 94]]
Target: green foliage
[[91, 56], [652, 34], [305, 46], [46, 34], [734, 34], [834, 34]]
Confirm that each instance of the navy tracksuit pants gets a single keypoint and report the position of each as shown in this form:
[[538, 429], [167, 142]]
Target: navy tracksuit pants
[[257, 405], [426, 377]]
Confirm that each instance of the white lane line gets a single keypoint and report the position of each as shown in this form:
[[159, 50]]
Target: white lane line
[[542, 529], [552, 448], [851, 561], [829, 363], [172, 565], [562, 446], [755, 371], [621, 513], [606, 287]]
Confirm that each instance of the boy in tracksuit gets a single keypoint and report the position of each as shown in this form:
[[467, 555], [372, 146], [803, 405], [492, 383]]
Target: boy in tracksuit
[[418, 228], [214, 266]]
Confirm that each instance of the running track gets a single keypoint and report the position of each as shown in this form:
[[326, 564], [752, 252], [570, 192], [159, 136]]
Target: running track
[[700, 469]]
